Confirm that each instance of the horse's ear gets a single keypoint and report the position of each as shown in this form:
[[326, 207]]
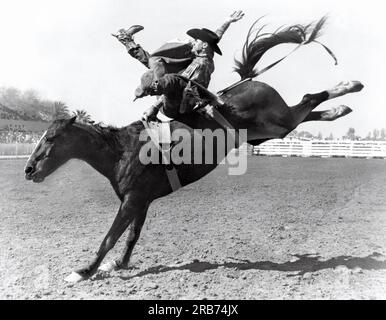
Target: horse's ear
[[70, 121]]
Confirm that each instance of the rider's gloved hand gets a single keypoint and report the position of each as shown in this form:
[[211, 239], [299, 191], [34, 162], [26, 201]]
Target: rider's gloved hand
[[236, 16]]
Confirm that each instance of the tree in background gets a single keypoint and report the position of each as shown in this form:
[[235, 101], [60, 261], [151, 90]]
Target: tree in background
[[305, 135], [383, 134], [375, 134], [26, 103], [10, 96], [60, 111], [82, 116], [28, 106], [330, 137], [319, 136], [350, 134]]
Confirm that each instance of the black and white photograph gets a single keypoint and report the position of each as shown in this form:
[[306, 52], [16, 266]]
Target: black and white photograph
[[192, 150]]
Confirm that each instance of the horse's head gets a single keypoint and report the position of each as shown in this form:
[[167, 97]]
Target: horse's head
[[52, 150]]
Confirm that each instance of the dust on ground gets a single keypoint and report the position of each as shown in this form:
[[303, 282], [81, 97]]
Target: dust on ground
[[291, 228]]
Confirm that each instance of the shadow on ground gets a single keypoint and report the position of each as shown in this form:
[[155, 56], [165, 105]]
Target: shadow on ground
[[305, 263]]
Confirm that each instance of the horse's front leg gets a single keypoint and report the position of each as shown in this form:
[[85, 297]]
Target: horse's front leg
[[132, 237], [130, 208]]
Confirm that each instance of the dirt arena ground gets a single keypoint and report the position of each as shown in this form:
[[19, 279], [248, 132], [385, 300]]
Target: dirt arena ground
[[291, 228]]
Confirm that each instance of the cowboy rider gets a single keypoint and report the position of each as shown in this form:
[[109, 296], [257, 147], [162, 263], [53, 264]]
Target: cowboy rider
[[192, 59]]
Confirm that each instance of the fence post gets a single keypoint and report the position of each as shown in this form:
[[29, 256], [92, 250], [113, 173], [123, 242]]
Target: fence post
[[351, 148]]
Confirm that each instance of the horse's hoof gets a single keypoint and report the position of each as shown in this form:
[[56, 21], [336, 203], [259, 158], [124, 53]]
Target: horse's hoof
[[343, 110], [108, 266], [74, 277], [344, 88], [336, 113], [350, 86], [354, 86]]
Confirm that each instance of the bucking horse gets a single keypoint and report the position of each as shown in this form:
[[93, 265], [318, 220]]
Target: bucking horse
[[115, 152]]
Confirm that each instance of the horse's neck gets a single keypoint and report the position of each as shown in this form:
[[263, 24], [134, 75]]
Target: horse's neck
[[93, 149]]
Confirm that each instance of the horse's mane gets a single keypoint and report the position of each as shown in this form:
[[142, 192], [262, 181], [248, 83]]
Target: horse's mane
[[107, 133], [255, 46]]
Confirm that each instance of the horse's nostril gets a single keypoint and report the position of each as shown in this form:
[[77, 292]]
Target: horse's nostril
[[28, 169]]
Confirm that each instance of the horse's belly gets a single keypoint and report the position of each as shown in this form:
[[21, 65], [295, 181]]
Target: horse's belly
[[266, 132]]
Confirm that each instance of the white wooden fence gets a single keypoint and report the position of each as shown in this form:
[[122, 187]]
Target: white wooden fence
[[322, 148], [16, 150]]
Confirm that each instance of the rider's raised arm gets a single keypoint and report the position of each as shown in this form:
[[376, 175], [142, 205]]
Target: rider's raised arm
[[235, 16]]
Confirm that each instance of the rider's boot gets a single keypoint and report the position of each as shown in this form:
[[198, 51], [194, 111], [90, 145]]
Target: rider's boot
[[125, 36], [133, 30]]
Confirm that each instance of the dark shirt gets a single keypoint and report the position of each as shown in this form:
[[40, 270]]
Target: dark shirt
[[200, 70]]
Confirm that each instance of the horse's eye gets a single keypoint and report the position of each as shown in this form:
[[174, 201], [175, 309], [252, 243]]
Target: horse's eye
[[49, 139]]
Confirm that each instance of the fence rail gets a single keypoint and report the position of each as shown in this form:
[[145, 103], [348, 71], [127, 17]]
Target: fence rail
[[321, 148], [16, 149]]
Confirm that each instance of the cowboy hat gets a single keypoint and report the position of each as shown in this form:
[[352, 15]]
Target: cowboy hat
[[207, 36]]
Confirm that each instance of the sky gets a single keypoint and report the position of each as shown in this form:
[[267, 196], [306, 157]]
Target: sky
[[64, 50]]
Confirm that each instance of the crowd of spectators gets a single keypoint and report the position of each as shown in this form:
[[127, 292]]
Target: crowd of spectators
[[9, 116], [19, 137]]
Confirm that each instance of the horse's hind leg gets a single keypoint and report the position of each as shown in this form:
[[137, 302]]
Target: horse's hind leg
[[134, 233], [309, 102], [130, 208], [328, 115]]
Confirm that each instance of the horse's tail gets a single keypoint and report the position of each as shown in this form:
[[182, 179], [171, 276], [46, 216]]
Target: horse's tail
[[255, 47]]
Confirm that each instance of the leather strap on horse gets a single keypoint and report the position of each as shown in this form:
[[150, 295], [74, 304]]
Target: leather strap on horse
[[170, 170]]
